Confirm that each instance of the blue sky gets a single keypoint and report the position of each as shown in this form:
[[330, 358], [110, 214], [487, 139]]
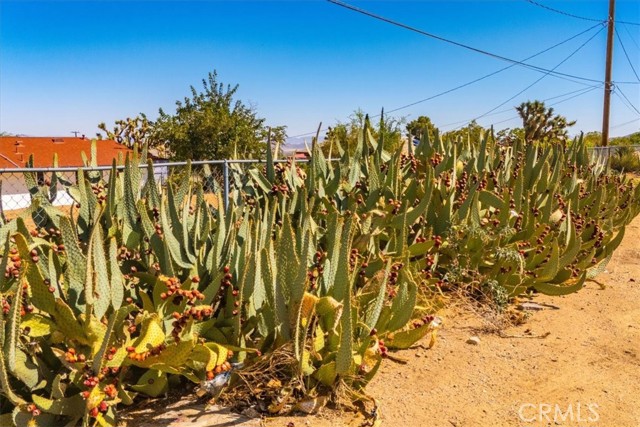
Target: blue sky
[[67, 66]]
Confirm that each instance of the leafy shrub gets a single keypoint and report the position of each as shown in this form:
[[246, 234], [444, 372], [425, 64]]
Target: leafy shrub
[[626, 159]]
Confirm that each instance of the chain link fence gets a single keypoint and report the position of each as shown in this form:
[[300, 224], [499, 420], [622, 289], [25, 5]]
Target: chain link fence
[[606, 152], [215, 176]]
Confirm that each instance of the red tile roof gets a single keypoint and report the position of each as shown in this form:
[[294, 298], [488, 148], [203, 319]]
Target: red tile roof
[[15, 151], [301, 155]]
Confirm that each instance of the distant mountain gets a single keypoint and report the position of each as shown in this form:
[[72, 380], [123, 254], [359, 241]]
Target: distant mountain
[[298, 143]]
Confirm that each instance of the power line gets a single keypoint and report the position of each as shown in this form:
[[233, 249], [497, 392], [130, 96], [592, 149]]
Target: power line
[[625, 123], [513, 62], [633, 40], [493, 73], [434, 36], [578, 92], [539, 79], [545, 75], [582, 91], [625, 103], [562, 12], [505, 120], [572, 97], [627, 55], [575, 93], [477, 79], [628, 101], [585, 90], [465, 46], [628, 23]]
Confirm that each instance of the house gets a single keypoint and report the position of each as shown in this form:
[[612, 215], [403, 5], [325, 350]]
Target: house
[[300, 155], [16, 150]]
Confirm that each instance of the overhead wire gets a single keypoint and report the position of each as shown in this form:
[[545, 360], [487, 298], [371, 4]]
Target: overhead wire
[[625, 123], [583, 91], [626, 55], [627, 23], [465, 46], [493, 73], [540, 78], [562, 12], [624, 102], [513, 62], [633, 40], [617, 91], [576, 93], [411, 104], [628, 101]]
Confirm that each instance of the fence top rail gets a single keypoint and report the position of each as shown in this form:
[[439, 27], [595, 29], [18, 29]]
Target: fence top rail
[[211, 162], [614, 147], [144, 165]]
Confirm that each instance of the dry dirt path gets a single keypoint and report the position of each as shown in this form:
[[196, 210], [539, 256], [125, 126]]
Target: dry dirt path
[[589, 363]]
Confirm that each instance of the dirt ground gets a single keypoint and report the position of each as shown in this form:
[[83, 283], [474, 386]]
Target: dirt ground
[[574, 363]]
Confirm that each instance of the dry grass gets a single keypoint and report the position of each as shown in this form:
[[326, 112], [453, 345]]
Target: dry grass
[[273, 382], [634, 177]]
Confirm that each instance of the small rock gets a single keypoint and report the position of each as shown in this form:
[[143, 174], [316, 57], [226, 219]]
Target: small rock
[[251, 412], [530, 306], [473, 340]]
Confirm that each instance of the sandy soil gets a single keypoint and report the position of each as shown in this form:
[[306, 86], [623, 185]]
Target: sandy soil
[[583, 355]]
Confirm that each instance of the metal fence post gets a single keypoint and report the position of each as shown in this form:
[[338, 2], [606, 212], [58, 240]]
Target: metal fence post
[[226, 183]]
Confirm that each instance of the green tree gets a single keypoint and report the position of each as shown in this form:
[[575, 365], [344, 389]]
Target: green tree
[[346, 134], [420, 127], [277, 135], [473, 131], [541, 125], [210, 125], [631, 139], [592, 139], [508, 136]]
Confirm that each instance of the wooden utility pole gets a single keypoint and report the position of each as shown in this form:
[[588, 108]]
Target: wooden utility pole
[[608, 87]]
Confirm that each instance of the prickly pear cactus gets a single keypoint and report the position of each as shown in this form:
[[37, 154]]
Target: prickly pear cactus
[[143, 286]]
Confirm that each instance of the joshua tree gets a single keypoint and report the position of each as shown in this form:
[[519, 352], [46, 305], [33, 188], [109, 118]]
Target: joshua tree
[[128, 131], [541, 125]]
